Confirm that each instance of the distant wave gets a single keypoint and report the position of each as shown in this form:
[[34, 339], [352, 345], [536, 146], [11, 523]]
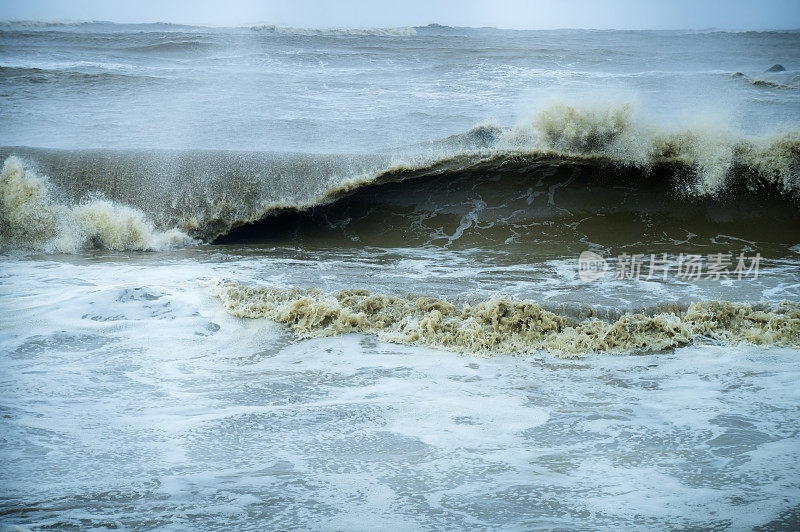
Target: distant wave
[[40, 24], [171, 46], [88, 24], [503, 325], [784, 80], [43, 75], [435, 26], [627, 167], [337, 32]]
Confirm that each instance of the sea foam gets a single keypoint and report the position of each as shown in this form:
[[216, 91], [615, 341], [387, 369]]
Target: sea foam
[[32, 217], [503, 325]]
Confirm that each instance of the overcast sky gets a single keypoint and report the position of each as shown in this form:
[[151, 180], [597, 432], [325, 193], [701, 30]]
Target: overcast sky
[[535, 14]]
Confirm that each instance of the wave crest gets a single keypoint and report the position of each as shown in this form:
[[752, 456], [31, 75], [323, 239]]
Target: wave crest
[[336, 32], [566, 129], [716, 157], [31, 217]]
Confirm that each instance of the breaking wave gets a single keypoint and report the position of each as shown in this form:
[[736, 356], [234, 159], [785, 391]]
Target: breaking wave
[[32, 217], [782, 80], [566, 161], [509, 326]]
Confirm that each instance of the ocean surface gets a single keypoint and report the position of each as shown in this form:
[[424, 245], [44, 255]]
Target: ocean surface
[[425, 278]]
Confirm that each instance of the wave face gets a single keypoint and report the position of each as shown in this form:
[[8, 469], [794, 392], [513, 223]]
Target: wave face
[[508, 326], [488, 186]]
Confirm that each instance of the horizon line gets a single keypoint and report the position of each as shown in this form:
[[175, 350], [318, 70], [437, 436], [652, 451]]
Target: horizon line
[[75, 22]]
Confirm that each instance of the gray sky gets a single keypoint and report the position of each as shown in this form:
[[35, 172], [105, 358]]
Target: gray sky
[[536, 14]]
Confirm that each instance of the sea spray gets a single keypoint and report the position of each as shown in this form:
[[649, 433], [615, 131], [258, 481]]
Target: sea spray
[[31, 217]]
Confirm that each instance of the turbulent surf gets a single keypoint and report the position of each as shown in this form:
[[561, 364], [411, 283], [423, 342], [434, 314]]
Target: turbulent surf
[[423, 277], [509, 326]]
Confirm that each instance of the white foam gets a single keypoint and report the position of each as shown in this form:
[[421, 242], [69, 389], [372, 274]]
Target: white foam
[[31, 217]]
